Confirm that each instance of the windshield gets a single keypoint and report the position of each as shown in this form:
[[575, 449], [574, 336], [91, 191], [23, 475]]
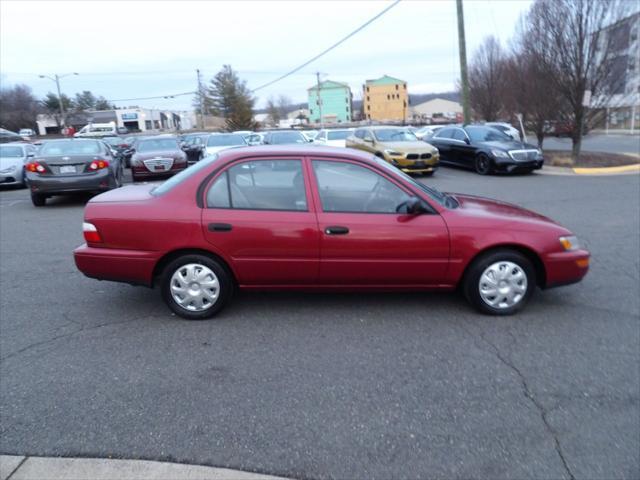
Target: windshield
[[225, 140], [433, 193], [338, 134], [286, 137], [395, 135], [486, 134], [177, 179], [112, 140], [71, 147], [11, 152], [156, 144]]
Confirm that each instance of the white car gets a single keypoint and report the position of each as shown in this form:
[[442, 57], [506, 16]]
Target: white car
[[310, 134], [333, 138], [13, 157], [506, 129], [427, 131], [98, 130], [221, 141], [26, 133]]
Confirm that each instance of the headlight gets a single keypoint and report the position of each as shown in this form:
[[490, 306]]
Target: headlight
[[539, 152], [435, 151], [393, 153], [10, 169], [499, 154], [570, 243]]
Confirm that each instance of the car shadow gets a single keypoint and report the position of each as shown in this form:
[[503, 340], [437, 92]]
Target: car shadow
[[71, 200]]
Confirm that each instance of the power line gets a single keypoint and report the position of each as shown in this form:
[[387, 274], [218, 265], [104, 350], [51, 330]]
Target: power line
[[151, 98], [339, 42]]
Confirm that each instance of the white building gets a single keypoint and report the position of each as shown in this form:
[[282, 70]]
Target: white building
[[436, 110], [133, 119]]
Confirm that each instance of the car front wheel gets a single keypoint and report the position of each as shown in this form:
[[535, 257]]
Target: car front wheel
[[483, 164], [500, 282], [196, 287]]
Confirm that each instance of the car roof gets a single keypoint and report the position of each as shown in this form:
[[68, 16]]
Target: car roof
[[74, 139], [385, 127], [227, 156]]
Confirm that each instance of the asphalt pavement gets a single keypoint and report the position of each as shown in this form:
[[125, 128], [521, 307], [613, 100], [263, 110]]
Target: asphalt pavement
[[331, 385], [595, 142]]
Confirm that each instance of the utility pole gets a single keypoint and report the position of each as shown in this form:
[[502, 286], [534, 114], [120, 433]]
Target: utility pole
[[464, 79], [201, 98], [56, 78], [319, 98]]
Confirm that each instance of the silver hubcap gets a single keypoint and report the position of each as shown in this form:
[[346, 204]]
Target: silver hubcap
[[195, 287], [503, 285]]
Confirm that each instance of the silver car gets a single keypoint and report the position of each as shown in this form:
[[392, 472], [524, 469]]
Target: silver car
[[13, 157]]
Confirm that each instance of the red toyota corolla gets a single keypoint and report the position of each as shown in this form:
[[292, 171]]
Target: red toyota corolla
[[317, 218]]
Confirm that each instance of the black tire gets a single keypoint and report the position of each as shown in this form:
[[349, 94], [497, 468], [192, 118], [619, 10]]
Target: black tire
[[379, 154], [224, 292], [471, 283], [38, 200], [134, 177], [483, 164]]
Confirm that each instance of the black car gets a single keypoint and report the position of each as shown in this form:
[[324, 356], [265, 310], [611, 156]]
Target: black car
[[72, 165], [284, 137], [486, 150], [194, 146]]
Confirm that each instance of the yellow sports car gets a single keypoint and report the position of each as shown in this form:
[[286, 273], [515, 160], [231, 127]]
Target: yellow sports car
[[398, 146]]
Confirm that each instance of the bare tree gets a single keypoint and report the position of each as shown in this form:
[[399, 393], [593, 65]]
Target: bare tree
[[285, 105], [487, 79], [574, 52], [18, 108], [273, 111]]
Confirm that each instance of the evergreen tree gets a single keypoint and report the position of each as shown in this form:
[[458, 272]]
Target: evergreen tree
[[230, 98]]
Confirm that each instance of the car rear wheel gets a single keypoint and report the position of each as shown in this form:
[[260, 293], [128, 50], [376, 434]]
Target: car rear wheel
[[483, 164], [38, 199], [500, 282], [196, 287]]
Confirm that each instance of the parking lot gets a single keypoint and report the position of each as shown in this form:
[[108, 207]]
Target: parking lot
[[331, 385]]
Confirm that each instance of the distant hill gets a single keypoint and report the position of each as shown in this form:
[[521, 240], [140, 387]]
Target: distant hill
[[414, 99]]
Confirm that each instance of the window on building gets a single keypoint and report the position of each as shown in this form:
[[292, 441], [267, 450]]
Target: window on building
[[396, 86], [405, 86], [346, 100], [367, 89], [388, 97], [368, 107], [368, 98], [347, 109]]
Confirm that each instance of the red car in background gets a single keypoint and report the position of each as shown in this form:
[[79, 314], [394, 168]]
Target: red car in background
[[318, 218]]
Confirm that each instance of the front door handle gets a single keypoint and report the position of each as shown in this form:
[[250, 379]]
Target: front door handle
[[336, 230], [219, 227]]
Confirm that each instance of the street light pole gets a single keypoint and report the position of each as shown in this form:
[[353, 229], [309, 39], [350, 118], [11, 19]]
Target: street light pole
[[464, 79], [56, 78]]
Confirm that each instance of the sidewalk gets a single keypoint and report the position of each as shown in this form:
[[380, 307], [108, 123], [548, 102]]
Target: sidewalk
[[15, 467]]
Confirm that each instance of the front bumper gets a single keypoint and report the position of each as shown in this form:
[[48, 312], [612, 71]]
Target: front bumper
[[129, 266], [415, 166], [510, 166], [15, 177], [565, 268], [98, 181]]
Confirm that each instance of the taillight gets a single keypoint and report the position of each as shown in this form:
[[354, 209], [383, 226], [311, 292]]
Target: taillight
[[90, 232], [98, 164], [35, 167]]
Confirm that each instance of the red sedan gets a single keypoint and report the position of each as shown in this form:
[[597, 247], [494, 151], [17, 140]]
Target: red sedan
[[313, 218]]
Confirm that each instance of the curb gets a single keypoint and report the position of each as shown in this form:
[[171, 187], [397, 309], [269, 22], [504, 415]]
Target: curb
[[18, 467], [607, 170]]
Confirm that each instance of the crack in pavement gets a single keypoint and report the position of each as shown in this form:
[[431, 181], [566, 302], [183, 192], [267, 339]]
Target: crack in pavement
[[526, 390], [65, 335]]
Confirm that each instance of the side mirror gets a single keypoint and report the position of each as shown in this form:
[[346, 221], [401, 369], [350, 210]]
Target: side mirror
[[412, 206], [368, 140], [31, 155], [467, 141]]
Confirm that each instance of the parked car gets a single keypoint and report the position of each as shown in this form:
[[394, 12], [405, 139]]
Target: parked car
[[398, 146], [486, 150], [13, 157], [505, 128], [117, 144], [72, 165], [122, 130], [127, 150], [194, 147], [156, 157], [319, 218], [7, 136], [26, 133], [97, 130], [221, 141], [333, 138], [426, 132], [285, 137]]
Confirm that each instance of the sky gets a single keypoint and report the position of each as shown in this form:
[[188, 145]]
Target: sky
[[132, 49]]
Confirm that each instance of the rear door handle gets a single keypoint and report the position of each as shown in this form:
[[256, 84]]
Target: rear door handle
[[336, 230], [219, 227]]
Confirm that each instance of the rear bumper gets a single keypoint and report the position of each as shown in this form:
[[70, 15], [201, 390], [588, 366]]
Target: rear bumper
[[53, 184], [140, 171], [129, 266], [565, 268]]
